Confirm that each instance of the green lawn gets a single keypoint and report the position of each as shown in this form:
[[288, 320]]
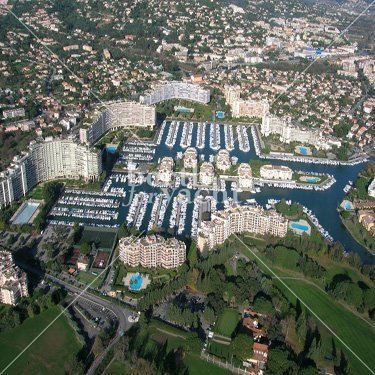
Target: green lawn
[[87, 278], [227, 322], [103, 239], [117, 368], [356, 333], [56, 347], [198, 366], [353, 330]]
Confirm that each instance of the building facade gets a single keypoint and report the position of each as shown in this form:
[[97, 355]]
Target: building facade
[[206, 173], [46, 160], [190, 158], [13, 281], [176, 90], [116, 116], [244, 107], [223, 160], [165, 171], [276, 172], [152, 251], [239, 219], [245, 177], [292, 133]]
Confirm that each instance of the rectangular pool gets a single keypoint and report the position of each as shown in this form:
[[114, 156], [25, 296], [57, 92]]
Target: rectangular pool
[[26, 213]]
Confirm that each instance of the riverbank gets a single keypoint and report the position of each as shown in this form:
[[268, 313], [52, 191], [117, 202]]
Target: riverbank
[[356, 230]]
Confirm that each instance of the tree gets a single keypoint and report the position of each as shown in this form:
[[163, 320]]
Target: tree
[[279, 362], [85, 248], [243, 346]]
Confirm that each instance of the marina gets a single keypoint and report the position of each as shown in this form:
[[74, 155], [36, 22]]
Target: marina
[[215, 136], [187, 132], [120, 191]]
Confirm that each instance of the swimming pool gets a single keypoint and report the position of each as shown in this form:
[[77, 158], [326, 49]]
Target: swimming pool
[[26, 213], [303, 150], [299, 226], [312, 179], [136, 282]]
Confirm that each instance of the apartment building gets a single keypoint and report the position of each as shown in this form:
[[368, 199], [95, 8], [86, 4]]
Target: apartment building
[[276, 172], [165, 170], [206, 173], [123, 115], [291, 133], [152, 251], [190, 158], [239, 219], [13, 281], [176, 90], [245, 177], [244, 107], [46, 160], [223, 160]]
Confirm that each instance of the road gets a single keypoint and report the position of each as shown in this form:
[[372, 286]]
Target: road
[[122, 314]]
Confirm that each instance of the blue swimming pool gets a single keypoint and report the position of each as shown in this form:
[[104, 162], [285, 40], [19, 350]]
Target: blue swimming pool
[[26, 213], [312, 179], [303, 150], [299, 226], [136, 282], [111, 149]]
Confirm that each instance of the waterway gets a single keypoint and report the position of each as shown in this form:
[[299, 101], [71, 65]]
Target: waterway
[[323, 203]]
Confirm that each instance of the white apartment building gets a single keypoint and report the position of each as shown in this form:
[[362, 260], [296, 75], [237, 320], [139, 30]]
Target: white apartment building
[[276, 172], [13, 281], [371, 188], [245, 177], [165, 170], [14, 112], [176, 90], [239, 219], [223, 160], [116, 116], [206, 173], [190, 158], [244, 107], [291, 133], [152, 251], [47, 160]]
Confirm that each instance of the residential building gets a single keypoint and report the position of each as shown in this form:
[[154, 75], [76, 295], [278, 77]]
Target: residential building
[[371, 188], [123, 115], [13, 281], [190, 158], [245, 177], [367, 219], [46, 160], [165, 171], [244, 107], [291, 133], [176, 90], [239, 219], [223, 160], [14, 112], [276, 172], [206, 173], [152, 251]]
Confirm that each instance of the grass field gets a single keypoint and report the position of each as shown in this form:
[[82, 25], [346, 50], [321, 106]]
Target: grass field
[[227, 322], [87, 278], [117, 368], [355, 332], [103, 239], [198, 366], [49, 354]]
